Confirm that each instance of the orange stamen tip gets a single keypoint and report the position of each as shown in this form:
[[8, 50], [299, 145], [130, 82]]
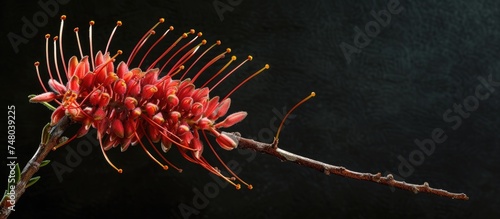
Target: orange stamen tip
[[119, 170], [200, 34], [238, 186], [228, 50], [181, 67], [250, 58], [290, 111], [184, 35], [161, 20], [171, 28], [119, 23], [47, 36], [192, 31], [250, 186], [37, 63], [56, 38], [76, 29], [233, 58], [91, 23], [165, 167], [119, 52], [152, 32], [218, 42], [63, 17], [180, 170], [267, 66], [203, 42]]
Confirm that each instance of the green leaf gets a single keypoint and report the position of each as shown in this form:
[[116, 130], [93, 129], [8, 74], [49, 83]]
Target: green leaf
[[18, 173], [43, 103], [44, 163], [45, 134], [4, 196], [32, 181]]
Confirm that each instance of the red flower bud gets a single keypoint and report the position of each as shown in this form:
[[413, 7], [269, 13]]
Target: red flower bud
[[117, 128], [74, 84], [226, 142], [57, 115], [121, 69], [130, 103], [57, 87], [148, 91], [151, 109], [134, 114], [223, 108], [158, 118], [99, 114], [95, 97], [104, 100], [196, 109], [232, 119], [186, 104], [120, 87], [172, 100], [211, 105], [45, 97]]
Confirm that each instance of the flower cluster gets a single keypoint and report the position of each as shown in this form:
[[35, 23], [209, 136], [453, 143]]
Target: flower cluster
[[129, 105]]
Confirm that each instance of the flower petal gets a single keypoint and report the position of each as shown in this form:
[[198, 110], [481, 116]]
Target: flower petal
[[45, 97]]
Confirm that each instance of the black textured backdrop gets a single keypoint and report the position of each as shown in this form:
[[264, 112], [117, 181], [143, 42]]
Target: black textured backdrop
[[366, 113]]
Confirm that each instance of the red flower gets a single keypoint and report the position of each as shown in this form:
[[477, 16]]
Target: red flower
[[130, 106]]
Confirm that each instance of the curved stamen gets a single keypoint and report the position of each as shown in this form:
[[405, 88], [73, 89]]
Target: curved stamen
[[290, 111], [143, 40], [187, 56], [249, 186], [55, 60], [118, 23], [63, 17], [210, 63], [78, 41], [185, 35], [231, 60], [199, 57], [231, 72], [171, 28], [47, 36], [39, 78], [91, 23], [104, 152], [245, 81], [168, 132], [192, 31], [159, 153], [165, 167]]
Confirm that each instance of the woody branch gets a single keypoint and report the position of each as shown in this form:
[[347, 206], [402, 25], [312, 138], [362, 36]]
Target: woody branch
[[327, 169], [34, 163]]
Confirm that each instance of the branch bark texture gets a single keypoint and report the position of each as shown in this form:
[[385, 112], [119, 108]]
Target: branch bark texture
[[273, 150]]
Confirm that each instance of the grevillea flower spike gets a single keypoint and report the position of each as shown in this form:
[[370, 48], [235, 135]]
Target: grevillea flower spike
[[135, 106]]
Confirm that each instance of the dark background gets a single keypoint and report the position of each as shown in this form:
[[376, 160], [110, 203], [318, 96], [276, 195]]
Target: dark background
[[365, 115]]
